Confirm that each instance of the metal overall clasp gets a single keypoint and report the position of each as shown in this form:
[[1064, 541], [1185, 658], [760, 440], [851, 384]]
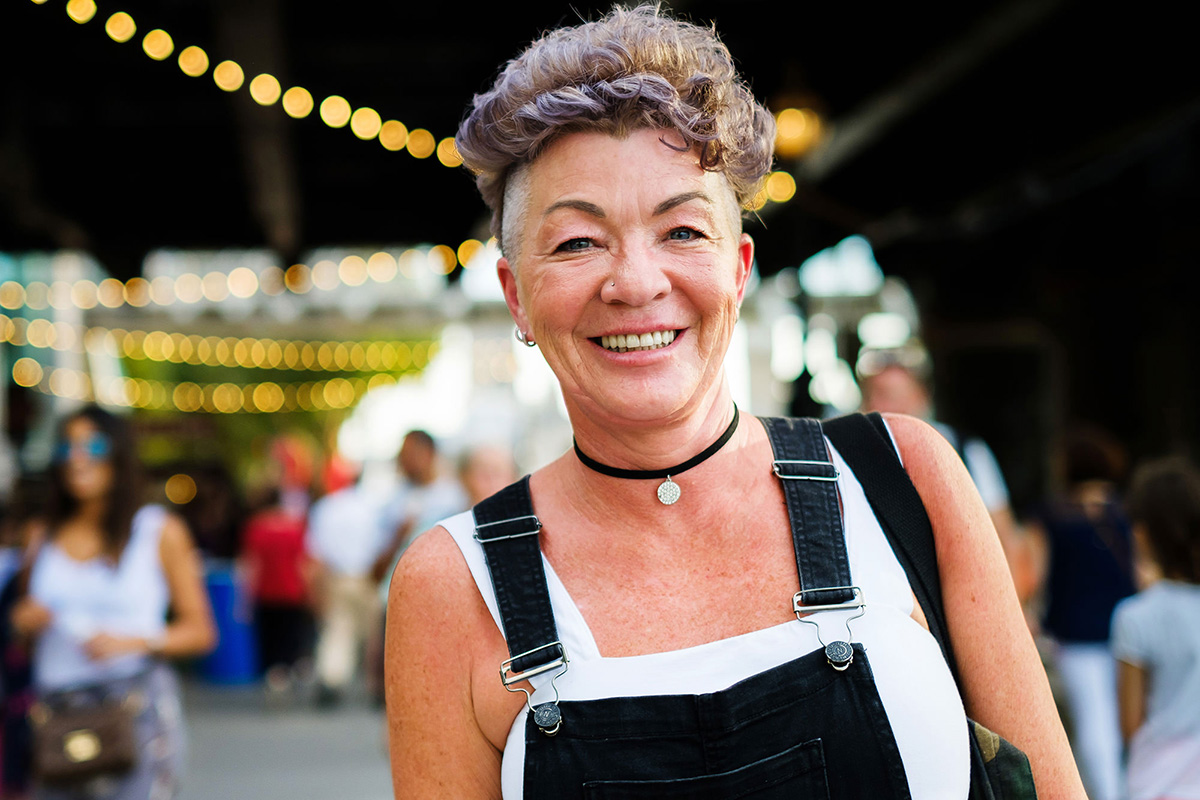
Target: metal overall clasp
[[839, 654], [546, 716]]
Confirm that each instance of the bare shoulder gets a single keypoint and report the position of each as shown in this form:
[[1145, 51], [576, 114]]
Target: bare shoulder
[[1003, 684], [175, 544], [440, 647], [432, 570]]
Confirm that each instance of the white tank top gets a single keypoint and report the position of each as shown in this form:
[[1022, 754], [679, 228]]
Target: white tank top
[[88, 597], [915, 685]]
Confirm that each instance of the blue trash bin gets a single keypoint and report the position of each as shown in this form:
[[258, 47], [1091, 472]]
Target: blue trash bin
[[234, 661]]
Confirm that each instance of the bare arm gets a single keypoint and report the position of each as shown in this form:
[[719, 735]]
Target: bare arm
[[192, 632], [1131, 696], [1004, 685], [439, 653]]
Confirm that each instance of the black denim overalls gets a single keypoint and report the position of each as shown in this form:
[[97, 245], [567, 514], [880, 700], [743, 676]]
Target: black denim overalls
[[813, 727]]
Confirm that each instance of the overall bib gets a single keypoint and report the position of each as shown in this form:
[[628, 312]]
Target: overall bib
[[813, 727]]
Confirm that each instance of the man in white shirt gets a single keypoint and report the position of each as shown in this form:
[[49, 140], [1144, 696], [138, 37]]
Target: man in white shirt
[[347, 530], [897, 381]]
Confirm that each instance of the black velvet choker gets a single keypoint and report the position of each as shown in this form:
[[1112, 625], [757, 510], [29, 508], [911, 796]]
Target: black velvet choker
[[668, 490]]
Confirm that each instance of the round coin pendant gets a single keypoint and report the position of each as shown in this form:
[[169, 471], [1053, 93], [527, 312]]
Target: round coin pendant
[[548, 718], [839, 655], [668, 492]]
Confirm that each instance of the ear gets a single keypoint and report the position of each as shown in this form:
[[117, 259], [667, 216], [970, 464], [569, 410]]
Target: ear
[[512, 298], [745, 253]]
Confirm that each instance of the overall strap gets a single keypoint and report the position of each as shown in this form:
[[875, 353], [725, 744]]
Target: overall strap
[[508, 530], [866, 446], [810, 488]]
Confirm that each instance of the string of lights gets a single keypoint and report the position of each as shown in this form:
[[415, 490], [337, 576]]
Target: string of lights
[[239, 283], [217, 351], [266, 397], [798, 130], [297, 102]]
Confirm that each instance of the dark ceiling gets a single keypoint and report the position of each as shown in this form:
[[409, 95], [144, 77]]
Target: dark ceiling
[[950, 120], [1030, 166]]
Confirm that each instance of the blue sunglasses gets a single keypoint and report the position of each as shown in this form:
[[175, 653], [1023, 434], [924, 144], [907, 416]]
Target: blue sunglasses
[[96, 447]]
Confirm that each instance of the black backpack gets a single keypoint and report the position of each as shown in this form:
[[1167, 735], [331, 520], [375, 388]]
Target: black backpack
[[999, 770]]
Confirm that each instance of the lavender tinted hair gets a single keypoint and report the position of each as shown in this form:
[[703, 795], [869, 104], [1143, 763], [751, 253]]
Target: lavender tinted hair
[[634, 69]]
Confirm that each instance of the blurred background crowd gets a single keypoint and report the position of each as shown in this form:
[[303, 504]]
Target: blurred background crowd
[[242, 230]]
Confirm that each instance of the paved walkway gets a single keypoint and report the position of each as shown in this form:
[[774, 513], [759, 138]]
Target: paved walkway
[[242, 749]]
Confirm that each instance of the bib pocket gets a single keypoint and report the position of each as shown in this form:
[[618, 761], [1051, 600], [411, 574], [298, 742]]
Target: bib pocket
[[797, 773]]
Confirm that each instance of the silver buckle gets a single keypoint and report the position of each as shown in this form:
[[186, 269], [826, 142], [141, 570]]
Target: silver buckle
[[839, 653], [854, 602], [826, 478], [508, 677], [536, 529], [546, 715]]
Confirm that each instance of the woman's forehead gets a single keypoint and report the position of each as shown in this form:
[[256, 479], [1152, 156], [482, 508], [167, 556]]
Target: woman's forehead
[[645, 162]]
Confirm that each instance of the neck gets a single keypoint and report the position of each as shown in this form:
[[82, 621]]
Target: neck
[[92, 510], [653, 445]]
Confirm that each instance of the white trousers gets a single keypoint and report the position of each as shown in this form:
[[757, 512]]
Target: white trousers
[[1088, 673], [352, 616]]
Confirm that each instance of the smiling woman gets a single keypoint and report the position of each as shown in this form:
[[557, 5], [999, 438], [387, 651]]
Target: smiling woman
[[669, 618]]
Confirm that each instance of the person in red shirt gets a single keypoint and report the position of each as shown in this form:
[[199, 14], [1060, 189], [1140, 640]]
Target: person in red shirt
[[279, 572]]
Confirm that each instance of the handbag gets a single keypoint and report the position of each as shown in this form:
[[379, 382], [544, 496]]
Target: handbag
[[74, 742], [999, 770]]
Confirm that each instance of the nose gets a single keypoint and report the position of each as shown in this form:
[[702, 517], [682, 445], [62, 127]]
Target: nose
[[637, 278]]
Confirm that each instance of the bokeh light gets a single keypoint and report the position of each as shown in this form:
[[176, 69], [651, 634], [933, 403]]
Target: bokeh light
[[353, 271], [81, 10], [298, 278], [442, 259], [12, 295], [297, 102], [468, 250], [120, 27], [381, 267], [421, 143], [335, 111], [780, 187], [180, 489], [111, 293], [365, 123], [137, 292], [265, 89], [447, 153], [193, 61], [393, 135], [27, 372], [243, 282], [157, 44], [229, 76], [796, 131]]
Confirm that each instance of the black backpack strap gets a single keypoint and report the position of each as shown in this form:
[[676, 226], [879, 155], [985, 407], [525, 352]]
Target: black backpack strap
[[508, 530], [866, 446], [810, 488]]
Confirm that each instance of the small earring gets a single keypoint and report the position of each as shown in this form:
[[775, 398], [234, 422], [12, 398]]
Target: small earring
[[523, 339]]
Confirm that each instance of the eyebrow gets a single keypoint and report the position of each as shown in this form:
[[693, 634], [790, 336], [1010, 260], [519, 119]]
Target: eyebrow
[[678, 200], [596, 211]]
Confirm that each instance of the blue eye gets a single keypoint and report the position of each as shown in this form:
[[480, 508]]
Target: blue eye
[[684, 234], [574, 245]]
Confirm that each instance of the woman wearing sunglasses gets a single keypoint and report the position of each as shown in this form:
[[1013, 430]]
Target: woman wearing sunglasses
[[105, 571]]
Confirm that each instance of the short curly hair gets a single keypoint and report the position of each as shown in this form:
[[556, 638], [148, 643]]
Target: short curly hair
[[633, 69]]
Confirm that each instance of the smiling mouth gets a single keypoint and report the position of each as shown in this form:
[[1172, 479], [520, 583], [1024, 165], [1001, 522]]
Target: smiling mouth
[[634, 342]]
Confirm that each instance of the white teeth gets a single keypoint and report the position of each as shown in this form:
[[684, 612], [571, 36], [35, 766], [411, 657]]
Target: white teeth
[[623, 343]]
